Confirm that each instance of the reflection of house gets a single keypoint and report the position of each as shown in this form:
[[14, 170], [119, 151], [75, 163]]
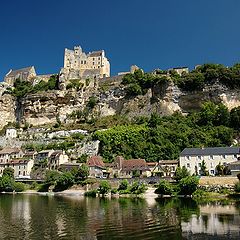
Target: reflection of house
[[22, 167], [57, 158], [234, 167], [192, 158], [96, 166], [132, 167], [6, 154]]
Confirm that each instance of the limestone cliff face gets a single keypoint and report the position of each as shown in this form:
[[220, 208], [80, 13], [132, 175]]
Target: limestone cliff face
[[7, 109], [165, 99]]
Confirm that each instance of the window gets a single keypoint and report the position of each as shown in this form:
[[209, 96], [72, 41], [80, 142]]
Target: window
[[199, 164], [188, 157], [211, 157], [199, 157], [211, 165], [223, 156], [188, 165], [212, 172]]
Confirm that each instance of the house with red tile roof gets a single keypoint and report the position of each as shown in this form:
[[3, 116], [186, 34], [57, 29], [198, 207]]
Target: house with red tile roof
[[131, 167], [96, 166]]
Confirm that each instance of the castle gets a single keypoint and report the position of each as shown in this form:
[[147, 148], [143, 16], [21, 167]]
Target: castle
[[79, 65]]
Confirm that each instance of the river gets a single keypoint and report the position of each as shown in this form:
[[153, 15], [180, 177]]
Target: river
[[73, 217]]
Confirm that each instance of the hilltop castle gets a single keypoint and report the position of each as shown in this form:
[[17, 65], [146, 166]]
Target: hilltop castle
[[79, 65]]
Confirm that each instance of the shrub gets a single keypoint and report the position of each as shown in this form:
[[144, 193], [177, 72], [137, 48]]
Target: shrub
[[19, 187], [181, 173], [43, 187], [123, 185], [164, 187], [104, 187], [188, 185], [65, 181], [114, 191], [237, 187], [6, 184], [137, 188], [91, 193]]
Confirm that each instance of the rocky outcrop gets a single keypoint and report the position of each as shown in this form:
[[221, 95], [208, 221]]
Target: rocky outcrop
[[53, 106]]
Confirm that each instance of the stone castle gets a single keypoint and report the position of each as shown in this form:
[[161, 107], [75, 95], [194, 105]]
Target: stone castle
[[77, 65]]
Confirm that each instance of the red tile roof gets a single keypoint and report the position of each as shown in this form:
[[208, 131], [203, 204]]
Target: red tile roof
[[134, 164], [95, 161]]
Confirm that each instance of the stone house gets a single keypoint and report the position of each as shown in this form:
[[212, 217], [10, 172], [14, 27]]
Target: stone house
[[192, 158], [44, 154], [22, 167], [130, 168], [96, 166], [167, 168], [57, 158], [7, 154], [23, 74]]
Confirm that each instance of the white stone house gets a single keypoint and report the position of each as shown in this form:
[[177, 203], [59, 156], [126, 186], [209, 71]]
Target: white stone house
[[22, 167], [56, 159], [192, 158], [7, 154]]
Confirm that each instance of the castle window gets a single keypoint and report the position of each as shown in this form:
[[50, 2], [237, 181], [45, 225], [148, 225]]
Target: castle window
[[93, 63], [93, 59]]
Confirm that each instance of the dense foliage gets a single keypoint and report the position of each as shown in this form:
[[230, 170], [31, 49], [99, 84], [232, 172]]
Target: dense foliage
[[157, 138], [22, 88], [164, 188]]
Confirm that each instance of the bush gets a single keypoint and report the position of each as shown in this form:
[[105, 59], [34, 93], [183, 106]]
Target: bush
[[137, 188], [188, 185], [237, 187], [19, 187], [114, 191], [104, 187], [181, 173], [65, 181], [164, 187], [91, 193], [6, 184], [123, 185], [43, 187]]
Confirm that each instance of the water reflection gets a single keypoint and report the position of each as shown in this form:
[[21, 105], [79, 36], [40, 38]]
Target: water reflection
[[42, 217]]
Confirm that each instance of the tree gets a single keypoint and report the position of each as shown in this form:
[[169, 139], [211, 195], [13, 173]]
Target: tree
[[188, 185], [220, 169], [51, 177], [64, 181], [123, 185], [6, 183], [164, 188], [8, 172], [104, 187], [181, 173], [82, 172], [235, 118], [203, 167], [137, 188]]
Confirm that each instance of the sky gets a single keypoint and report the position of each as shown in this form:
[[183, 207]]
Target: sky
[[149, 33]]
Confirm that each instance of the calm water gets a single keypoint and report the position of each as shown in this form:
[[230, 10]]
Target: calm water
[[42, 217]]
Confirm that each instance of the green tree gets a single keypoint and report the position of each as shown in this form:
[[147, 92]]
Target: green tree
[[82, 173], [104, 187], [137, 188], [220, 169], [181, 173], [123, 185], [164, 188], [64, 181], [51, 177], [204, 170], [188, 185], [8, 171], [6, 184], [235, 118]]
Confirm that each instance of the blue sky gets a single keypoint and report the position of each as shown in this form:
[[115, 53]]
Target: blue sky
[[151, 34]]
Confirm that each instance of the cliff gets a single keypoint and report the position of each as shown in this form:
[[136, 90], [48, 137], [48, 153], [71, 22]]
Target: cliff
[[110, 98]]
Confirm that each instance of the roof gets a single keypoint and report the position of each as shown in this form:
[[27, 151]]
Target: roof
[[151, 163], [16, 161], [13, 73], [134, 164], [45, 151], [168, 162], [95, 161], [10, 150], [95, 54], [210, 151]]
